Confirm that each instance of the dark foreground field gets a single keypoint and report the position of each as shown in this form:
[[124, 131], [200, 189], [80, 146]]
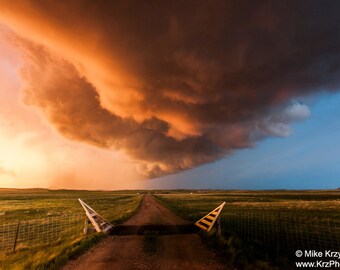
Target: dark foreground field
[[259, 229]]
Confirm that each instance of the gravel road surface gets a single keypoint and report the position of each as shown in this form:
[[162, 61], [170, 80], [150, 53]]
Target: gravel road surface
[[150, 250]]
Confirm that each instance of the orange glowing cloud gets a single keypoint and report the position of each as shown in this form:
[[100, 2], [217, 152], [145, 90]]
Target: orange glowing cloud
[[173, 85], [33, 155]]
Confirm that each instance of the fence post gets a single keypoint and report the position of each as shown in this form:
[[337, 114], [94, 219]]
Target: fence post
[[16, 236], [282, 240], [218, 223], [86, 227]]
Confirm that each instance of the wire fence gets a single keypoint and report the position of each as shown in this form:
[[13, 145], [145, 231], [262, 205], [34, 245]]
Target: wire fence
[[284, 230], [36, 232]]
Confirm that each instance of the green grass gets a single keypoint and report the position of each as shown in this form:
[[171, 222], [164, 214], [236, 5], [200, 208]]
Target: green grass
[[194, 204], [33, 204], [261, 229], [16, 204], [50, 256], [117, 206]]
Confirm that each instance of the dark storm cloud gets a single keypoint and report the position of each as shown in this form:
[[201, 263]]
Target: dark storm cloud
[[176, 84]]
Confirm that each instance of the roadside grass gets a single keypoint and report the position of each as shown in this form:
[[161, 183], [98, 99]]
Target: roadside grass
[[255, 213], [49, 257], [18, 205]]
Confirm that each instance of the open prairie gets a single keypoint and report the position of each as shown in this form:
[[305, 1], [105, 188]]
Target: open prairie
[[258, 229], [265, 228], [21, 204], [192, 204], [52, 222]]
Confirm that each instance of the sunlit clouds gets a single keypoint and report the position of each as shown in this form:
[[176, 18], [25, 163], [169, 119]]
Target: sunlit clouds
[[34, 155], [150, 90]]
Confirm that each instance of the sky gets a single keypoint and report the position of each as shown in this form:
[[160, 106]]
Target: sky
[[98, 95], [307, 159]]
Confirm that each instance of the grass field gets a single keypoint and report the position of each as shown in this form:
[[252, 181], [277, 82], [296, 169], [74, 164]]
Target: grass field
[[254, 223], [56, 206], [264, 228], [194, 203]]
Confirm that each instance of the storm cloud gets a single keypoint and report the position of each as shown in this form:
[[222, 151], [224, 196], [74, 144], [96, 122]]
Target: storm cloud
[[174, 84]]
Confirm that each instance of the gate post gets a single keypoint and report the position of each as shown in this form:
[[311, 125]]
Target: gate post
[[219, 230], [86, 226]]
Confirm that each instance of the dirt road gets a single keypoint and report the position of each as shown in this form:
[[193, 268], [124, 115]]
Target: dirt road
[[150, 250]]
